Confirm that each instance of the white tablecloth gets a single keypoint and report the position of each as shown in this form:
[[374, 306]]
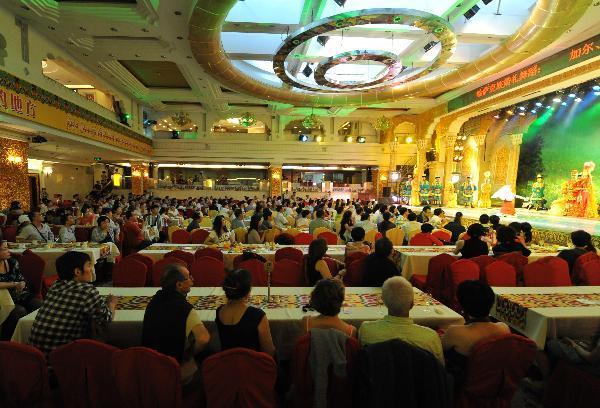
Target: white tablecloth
[[51, 254], [334, 251], [6, 305], [415, 260], [555, 322], [285, 323]]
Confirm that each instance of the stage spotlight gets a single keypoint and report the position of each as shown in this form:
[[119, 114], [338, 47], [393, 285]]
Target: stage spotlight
[[303, 138], [510, 112], [548, 107], [486, 2], [497, 116], [361, 139], [572, 95], [521, 113], [597, 93], [349, 139], [471, 12], [564, 104], [318, 139], [322, 40], [340, 2], [578, 99], [596, 88], [409, 139], [521, 108], [533, 111], [430, 45], [307, 71], [556, 100], [538, 104]]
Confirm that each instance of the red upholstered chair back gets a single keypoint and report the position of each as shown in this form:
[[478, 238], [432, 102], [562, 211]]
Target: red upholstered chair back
[[180, 236], [83, 234], [256, 269], [9, 233], [570, 386], [443, 236], [547, 271], [338, 394], [500, 273], [211, 252], [160, 266], [129, 273], [146, 378], [250, 378], [591, 273], [355, 272], [354, 256], [494, 369], [289, 253], [460, 271], [419, 240], [482, 261], [83, 371], [332, 265], [577, 272], [287, 272], [208, 271], [185, 256], [437, 272], [23, 376], [516, 259], [32, 268], [330, 237], [199, 236], [146, 260], [303, 239]]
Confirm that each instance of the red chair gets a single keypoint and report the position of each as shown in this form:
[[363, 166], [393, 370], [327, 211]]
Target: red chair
[[591, 273], [500, 273], [570, 387], [185, 256], [32, 268], [160, 266], [250, 375], [338, 394], [291, 253], [146, 378], [303, 239], [577, 273], [516, 259], [199, 236], [442, 235], [83, 371], [83, 234], [146, 260], [460, 271], [129, 273], [482, 261], [494, 369], [211, 252], [547, 271], [419, 240], [47, 282], [180, 236], [354, 256], [23, 376], [332, 265], [256, 269], [433, 283], [208, 272], [355, 272], [10, 233], [288, 273], [330, 237]]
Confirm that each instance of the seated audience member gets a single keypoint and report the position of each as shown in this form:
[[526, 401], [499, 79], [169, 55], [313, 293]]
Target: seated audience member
[[195, 223], [425, 215], [438, 218], [103, 233], [484, 220], [87, 215], [527, 231], [72, 306], [284, 239], [255, 235], [267, 221], [582, 242], [346, 225], [507, 242], [379, 265], [327, 298], [280, 221], [219, 233], [36, 230], [474, 246], [66, 233], [476, 299], [398, 297], [315, 266], [238, 324], [358, 243], [133, 235], [495, 222], [425, 234], [318, 222], [238, 220], [12, 279], [455, 226], [14, 212], [386, 224], [172, 326], [365, 222], [303, 220], [411, 226], [114, 226], [402, 217], [519, 235]]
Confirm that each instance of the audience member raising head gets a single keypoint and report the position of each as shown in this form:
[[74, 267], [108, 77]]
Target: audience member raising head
[[582, 242], [358, 243], [455, 226], [379, 265], [327, 298], [474, 246], [507, 242]]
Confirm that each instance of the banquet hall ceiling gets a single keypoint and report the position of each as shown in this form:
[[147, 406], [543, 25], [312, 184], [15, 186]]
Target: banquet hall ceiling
[[155, 51]]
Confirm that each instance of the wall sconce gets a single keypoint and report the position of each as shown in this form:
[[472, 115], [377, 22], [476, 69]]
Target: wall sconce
[[455, 178], [14, 159], [116, 179], [395, 176], [136, 173], [47, 170]]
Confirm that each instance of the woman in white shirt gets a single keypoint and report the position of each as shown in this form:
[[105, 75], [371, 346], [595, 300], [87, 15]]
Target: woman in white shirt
[[220, 233]]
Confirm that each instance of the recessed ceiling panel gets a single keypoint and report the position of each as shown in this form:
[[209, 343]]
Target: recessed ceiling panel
[[437, 7], [267, 11], [251, 43], [156, 74]]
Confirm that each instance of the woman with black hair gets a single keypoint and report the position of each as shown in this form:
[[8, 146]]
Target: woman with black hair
[[255, 234], [507, 242], [474, 246], [238, 324], [346, 226], [315, 267], [526, 230], [455, 226], [582, 242], [219, 233]]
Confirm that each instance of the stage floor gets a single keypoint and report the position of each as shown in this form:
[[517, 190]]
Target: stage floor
[[537, 219]]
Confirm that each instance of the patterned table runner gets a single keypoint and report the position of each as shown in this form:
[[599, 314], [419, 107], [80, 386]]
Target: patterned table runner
[[512, 308], [212, 302]]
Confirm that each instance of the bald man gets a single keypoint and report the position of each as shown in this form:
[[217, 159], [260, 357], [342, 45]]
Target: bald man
[[398, 297]]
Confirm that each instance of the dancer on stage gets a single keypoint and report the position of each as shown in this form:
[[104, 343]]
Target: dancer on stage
[[586, 205], [485, 191], [407, 190], [468, 189], [566, 203], [424, 190], [537, 199], [508, 200], [436, 191]]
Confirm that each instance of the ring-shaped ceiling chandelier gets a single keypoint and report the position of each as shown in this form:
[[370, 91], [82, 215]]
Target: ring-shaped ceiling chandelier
[[549, 19], [392, 69], [428, 22]]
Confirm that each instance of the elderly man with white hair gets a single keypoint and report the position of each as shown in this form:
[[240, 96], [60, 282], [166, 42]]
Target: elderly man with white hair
[[398, 297]]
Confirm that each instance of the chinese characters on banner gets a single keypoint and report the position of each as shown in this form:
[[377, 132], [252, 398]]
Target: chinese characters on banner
[[509, 80], [582, 50], [10, 101]]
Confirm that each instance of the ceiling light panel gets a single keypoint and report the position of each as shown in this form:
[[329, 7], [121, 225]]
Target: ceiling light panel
[[250, 43], [267, 11], [431, 6], [338, 44]]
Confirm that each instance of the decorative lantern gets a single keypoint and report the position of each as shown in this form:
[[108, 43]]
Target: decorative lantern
[[311, 122], [247, 119]]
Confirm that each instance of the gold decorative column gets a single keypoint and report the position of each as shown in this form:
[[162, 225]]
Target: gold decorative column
[[477, 177], [139, 173], [422, 144], [449, 166], [513, 161], [275, 175], [14, 181]]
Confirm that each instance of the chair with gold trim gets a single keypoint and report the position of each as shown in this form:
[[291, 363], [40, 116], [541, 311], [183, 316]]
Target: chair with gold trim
[[240, 234], [396, 235], [320, 230]]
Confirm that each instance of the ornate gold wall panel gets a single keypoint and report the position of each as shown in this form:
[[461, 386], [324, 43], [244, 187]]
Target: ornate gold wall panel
[[14, 182]]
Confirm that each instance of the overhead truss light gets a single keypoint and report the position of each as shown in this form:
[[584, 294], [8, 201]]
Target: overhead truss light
[[322, 40], [430, 45], [471, 12], [340, 2], [307, 71]]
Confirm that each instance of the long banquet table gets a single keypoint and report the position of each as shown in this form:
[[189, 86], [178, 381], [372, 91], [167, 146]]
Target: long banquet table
[[284, 312], [6, 305], [55, 250], [415, 259], [549, 312]]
